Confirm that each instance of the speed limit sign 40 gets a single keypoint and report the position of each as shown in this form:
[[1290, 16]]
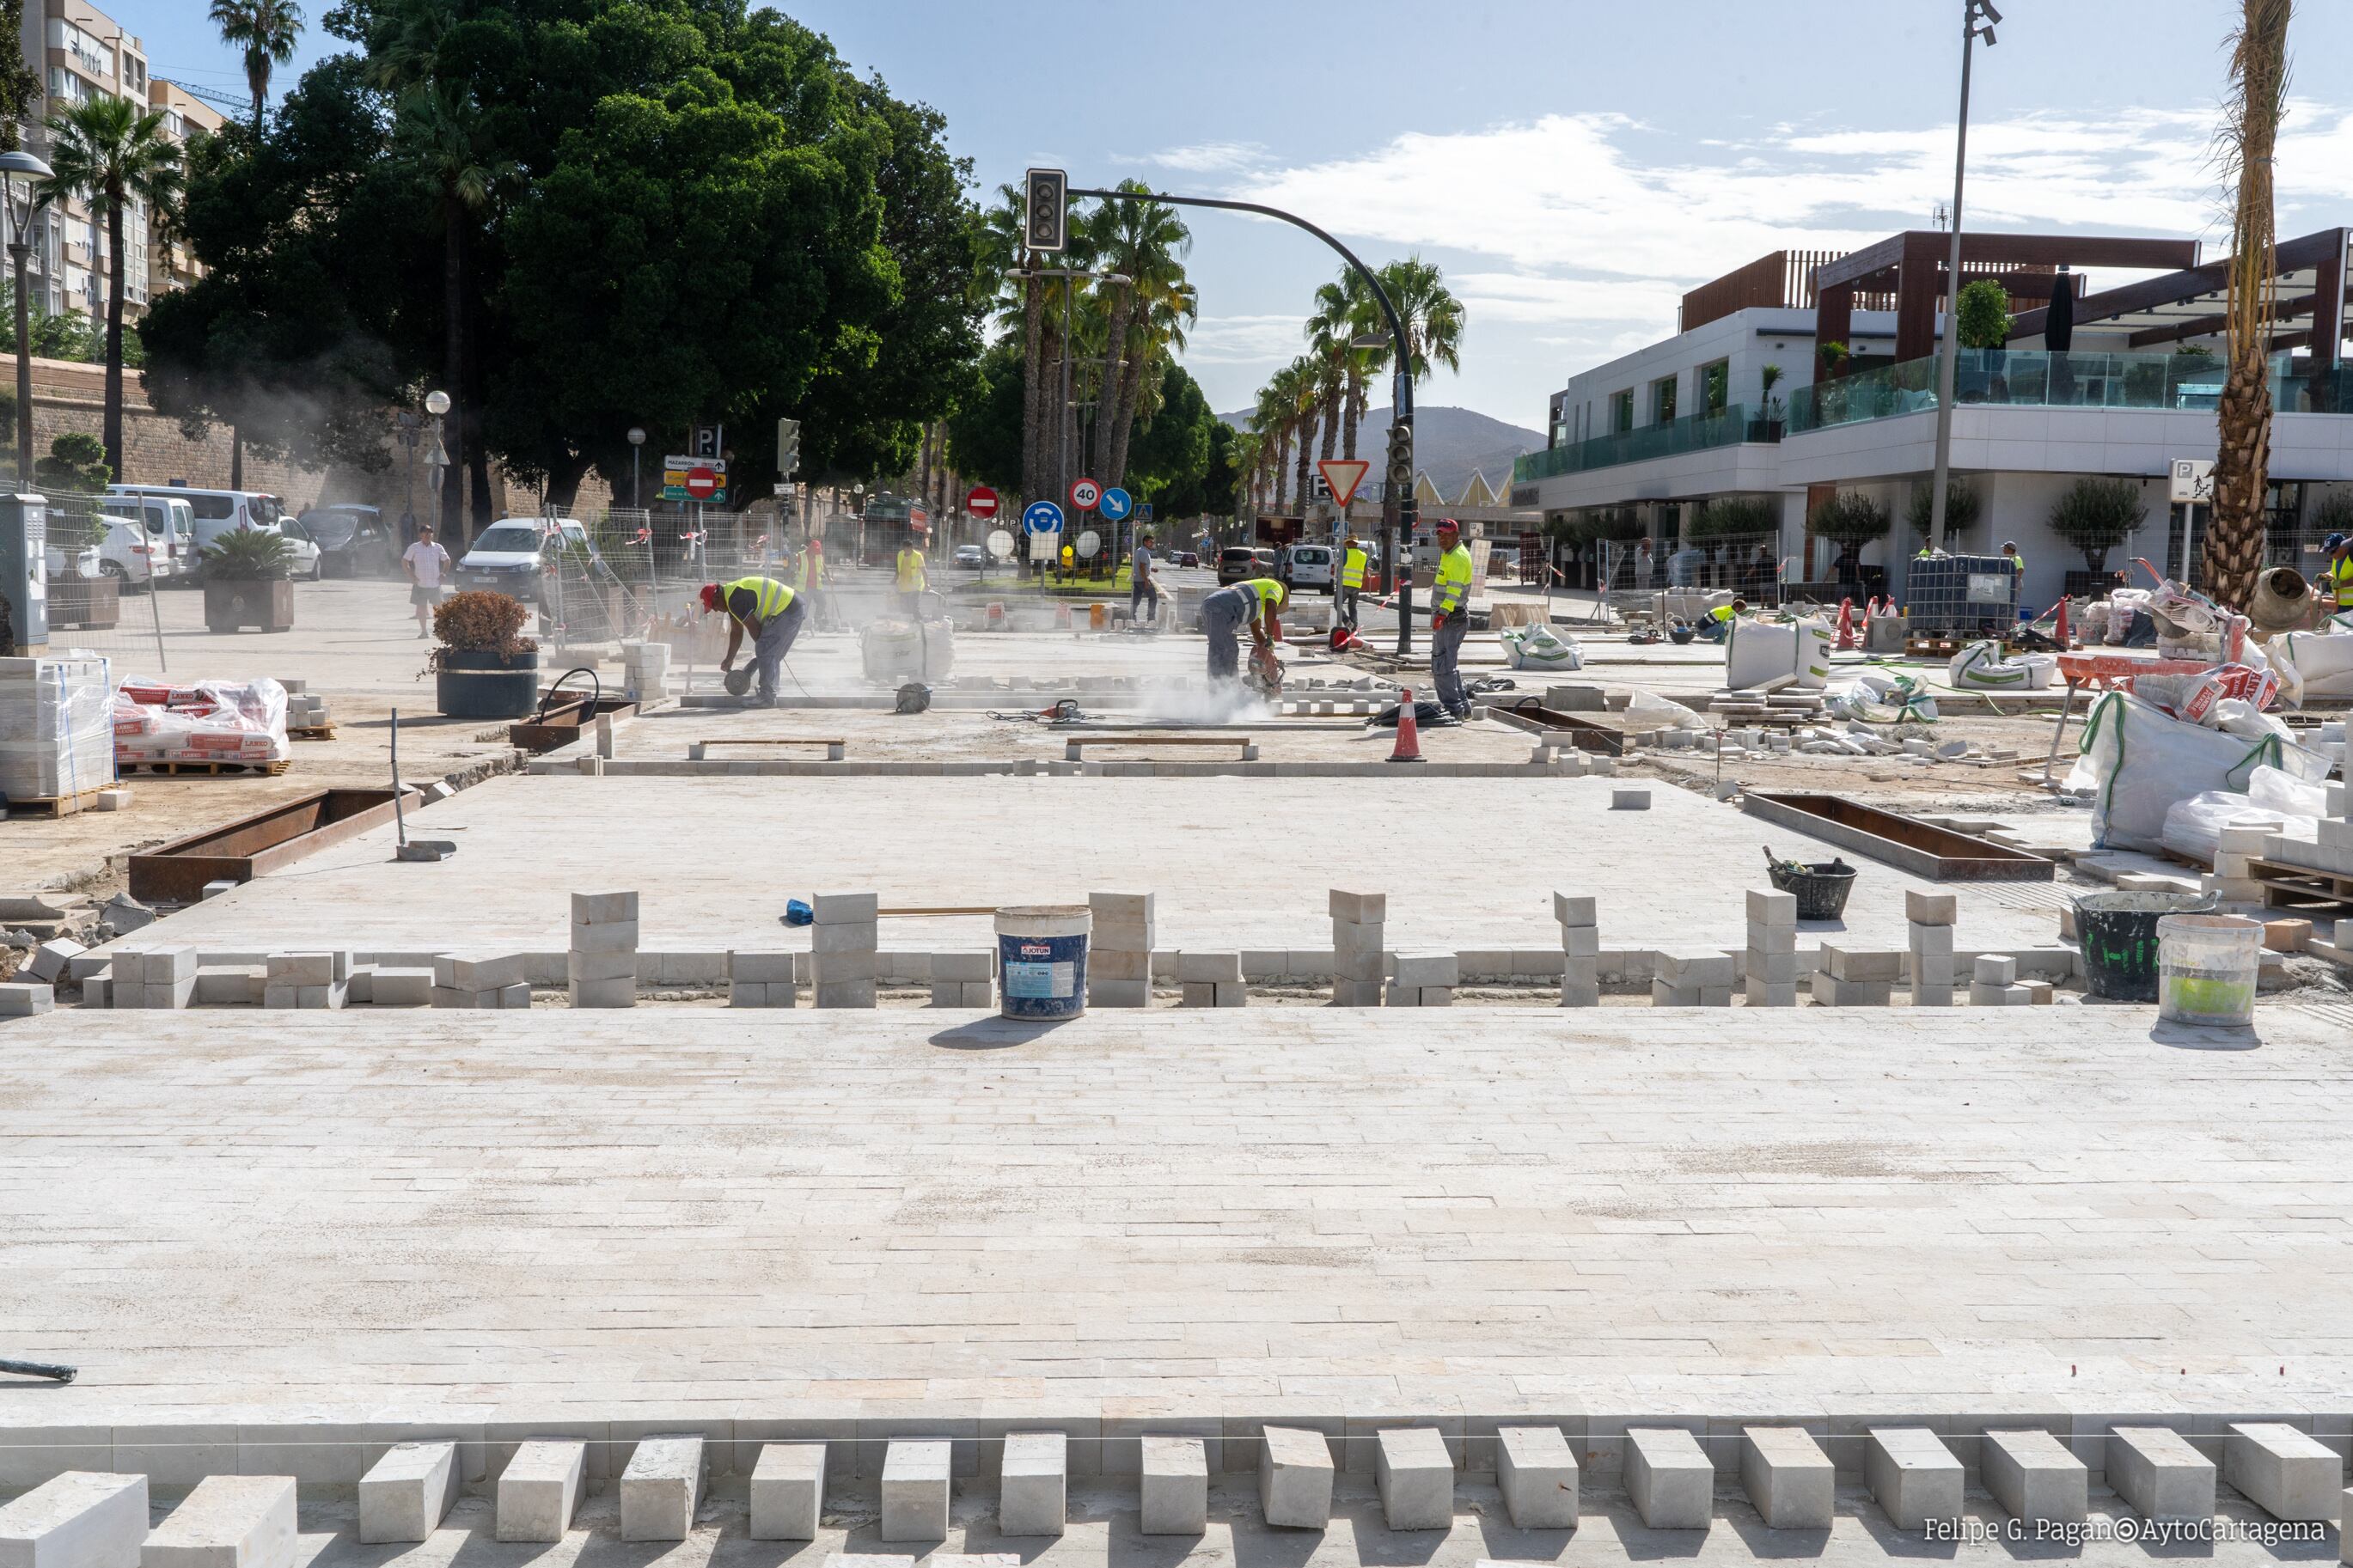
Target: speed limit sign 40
[[1084, 494]]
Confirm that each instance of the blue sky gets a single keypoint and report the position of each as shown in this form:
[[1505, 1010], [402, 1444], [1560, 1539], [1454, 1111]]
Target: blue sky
[[1572, 165]]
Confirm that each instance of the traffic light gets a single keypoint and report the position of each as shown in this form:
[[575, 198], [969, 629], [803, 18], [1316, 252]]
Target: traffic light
[[789, 446], [1049, 222]]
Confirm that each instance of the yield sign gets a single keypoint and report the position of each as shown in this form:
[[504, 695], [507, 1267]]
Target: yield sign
[[1343, 475]]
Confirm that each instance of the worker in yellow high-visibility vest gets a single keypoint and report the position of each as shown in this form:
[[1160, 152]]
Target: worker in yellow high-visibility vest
[[2337, 577], [1450, 618], [1255, 602], [912, 578], [771, 612], [1352, 582]]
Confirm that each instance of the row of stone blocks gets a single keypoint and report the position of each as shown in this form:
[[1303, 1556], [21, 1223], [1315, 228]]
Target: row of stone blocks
[[89, 1519]]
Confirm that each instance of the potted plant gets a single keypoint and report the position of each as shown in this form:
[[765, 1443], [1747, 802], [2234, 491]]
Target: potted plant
[[247, 582], [1769, 427], [483, 667], [2097, 515], [1982, 321]]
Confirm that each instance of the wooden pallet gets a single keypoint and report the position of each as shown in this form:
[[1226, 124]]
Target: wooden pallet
[[311, 731], [2302, 889], [57, 805], [1935, 647], [171, 769]]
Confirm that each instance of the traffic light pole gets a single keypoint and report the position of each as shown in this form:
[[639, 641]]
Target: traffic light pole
[[1400, 469]]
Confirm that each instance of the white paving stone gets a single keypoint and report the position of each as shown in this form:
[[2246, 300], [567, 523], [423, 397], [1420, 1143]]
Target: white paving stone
[[915, 1473], [2157, 1470], [228, 1522], [1535, 1470], [1669, 1478], [1033, 1486], [788, 1494], [1173, 1485], [2285, 1472], [2034, 1477], [1787, 1476], [1914, 1477], [1415, 1476], [1294, 1477], [539, 1491], [661, 1486], [82, 1518], [405, 1494]]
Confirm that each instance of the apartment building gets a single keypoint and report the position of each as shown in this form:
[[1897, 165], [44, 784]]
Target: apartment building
[[1806, 374], [79, 52]]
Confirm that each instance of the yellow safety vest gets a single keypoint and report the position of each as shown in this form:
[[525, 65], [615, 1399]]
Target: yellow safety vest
[[1722, 613], [1271, 593], [2018, 564], [2341, 574], [800, 571], [911, 569], [1351, 570], [771, 598], [1453, 583]]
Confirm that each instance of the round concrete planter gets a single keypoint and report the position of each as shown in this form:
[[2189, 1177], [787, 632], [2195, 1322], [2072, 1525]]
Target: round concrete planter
[[473, 684]]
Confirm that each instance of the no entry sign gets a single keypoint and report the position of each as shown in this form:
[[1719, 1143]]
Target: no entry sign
[[981, 501]]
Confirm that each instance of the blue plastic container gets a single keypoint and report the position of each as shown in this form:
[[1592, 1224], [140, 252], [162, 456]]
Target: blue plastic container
[[1041, 960]]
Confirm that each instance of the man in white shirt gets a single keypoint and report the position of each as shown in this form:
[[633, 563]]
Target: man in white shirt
[[425, 562]]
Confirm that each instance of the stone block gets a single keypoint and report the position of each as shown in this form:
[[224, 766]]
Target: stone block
[[540, 1489], [1930, 941], [1770, 909], [2155, 1470], [1863, 965], [1419, 970], [1434, 996], [1575, 910], [1138, 908], [1359, 908], [97, 991], [1781, 942], [1580, 942], [1914, 1477], [617, 992], [604, 909], [1629, 800], [1356, 993], [26, 999], [2288, 1474], [52, 959], [766, 967], [1173, 1485], [1112, 993], [788, 1491], [2034, 1477], [662, 1486], [1360, 951], [1927, 909], [979, 965], [1983, 995], [915, 1489], [1033, 1483], [228, 1522], [81, 1519], [1787, 1476], [483, 971], [1927, 994], [1779, 968], [1118, 963], [1415, 1476], [1536, 1472], [1258, 964], [517, 995], [619, 937], [845, 994], [400, 987], [1829, 991], [1933, 968], [862, 936], [302, 968], [168, 965], [405, 1494], [1669, 1478], [1580, 991], [836, 968], [845, 909], [591, 967], [1684, 971], [1769, 992], [1294, 1477], [1994, 969], [1209, 968]]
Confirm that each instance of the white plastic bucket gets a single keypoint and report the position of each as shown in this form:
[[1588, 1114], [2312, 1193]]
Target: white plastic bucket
[[2206, 968], [1043, 960]]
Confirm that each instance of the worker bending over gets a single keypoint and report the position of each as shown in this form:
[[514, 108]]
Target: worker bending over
[[771, 612], [913, 579], [2337, 575], [1255, 602], [1450, 618], [1716, 624], [1352, 581]]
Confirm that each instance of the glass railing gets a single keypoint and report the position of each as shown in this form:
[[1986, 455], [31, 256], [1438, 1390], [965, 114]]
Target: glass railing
[[1692, 433], [2037, 378]]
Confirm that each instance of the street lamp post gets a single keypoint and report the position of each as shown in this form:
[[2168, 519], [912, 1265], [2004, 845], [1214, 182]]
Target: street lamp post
[[438, 465], [13, 165], [1978, 19], [637, 450]]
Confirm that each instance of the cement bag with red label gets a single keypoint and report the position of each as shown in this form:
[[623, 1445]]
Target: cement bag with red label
[[206, 721]]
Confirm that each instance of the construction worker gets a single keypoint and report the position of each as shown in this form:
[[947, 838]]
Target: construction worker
[[2337, 577], [1716, 624], [1449, 618], [771, 612], [912, 577], [1352, 581], [2016, 561], [1255, 602]]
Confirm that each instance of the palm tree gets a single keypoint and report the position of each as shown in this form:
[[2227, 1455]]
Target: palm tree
[[266, 30], [1168, 306], [1276, 419], [114, 157], [441, 132], [1432, 316], [1328, 332], [1145, 243], [1306, 400], [2234, 540]]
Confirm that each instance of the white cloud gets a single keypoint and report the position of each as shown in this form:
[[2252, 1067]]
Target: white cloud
[[1246, 340], [1207, 157]]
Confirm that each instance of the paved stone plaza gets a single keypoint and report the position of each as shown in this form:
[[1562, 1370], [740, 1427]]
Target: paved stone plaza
[[864, 1220]]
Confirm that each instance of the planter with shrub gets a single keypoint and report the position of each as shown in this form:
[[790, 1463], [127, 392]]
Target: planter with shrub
[[484, 667], [247, 581]]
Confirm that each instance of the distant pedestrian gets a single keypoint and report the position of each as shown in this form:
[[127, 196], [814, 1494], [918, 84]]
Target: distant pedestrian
[[1353, 562], [426, 563], [1139, 585]]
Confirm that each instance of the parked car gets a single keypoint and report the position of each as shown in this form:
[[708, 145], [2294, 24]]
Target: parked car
[[84, 561], [511, 555], [353, 541], [1307, 566], [168, 529], [1236, 562], [215, 512], [1188, 558], [971, 556]]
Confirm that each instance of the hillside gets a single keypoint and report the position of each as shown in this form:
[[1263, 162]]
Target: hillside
[[1449, 444]]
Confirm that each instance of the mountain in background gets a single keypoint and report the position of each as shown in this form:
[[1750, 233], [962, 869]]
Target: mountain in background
[[1448, 445]]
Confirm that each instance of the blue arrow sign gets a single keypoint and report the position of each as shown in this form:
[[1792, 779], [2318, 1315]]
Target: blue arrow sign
[[1117, 503], [1042, 517]]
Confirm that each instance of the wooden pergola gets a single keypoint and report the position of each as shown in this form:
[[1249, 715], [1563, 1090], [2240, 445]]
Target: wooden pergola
[[2188, 303]]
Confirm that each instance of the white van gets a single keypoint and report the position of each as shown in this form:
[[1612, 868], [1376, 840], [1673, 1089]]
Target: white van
[[152, 540], [216, 512], [511, 555]]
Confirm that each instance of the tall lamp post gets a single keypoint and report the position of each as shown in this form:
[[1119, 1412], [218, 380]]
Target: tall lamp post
[[436, 465], [1978, 19], [12, 166], [637, 451]]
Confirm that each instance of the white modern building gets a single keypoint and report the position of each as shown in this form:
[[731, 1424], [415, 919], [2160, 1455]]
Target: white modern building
[[1808, 374]]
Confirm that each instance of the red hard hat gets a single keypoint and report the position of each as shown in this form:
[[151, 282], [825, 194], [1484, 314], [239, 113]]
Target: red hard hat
[[711, 596], [1447, 525]]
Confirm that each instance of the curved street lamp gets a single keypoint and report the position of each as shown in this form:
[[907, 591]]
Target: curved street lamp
[[14, 165]]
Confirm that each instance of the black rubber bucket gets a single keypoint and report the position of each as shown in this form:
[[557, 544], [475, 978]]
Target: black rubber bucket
[[2118, 935], [1820, 889]]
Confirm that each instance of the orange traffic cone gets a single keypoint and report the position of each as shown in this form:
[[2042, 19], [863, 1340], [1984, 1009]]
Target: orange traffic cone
[[2059, 632], [1846, 626], [1408, 741]]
